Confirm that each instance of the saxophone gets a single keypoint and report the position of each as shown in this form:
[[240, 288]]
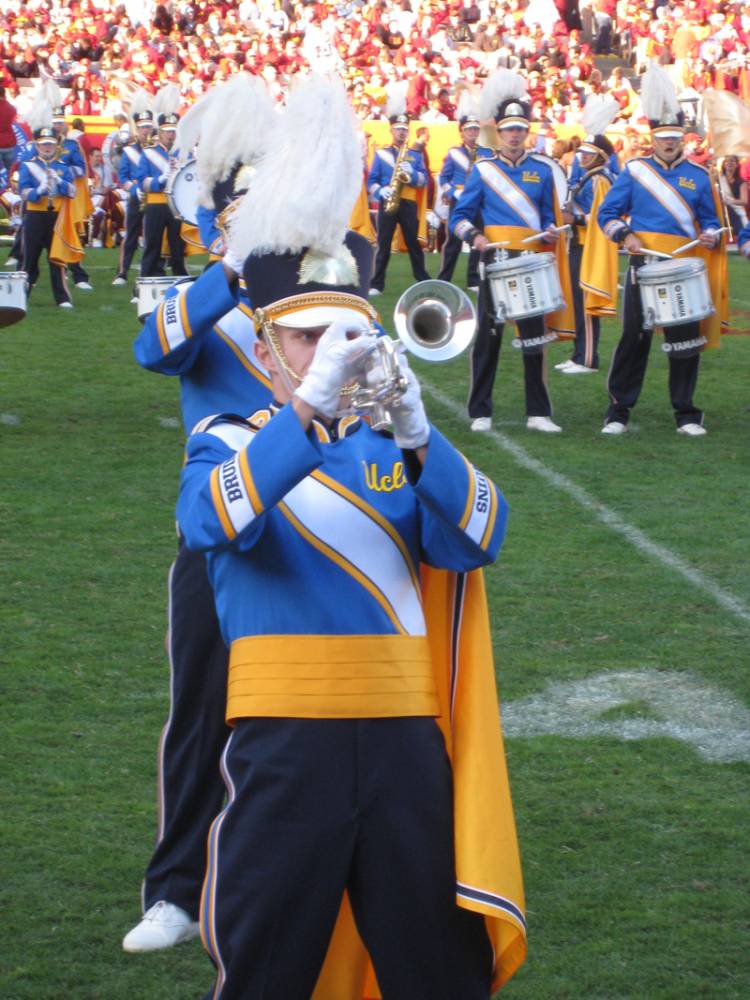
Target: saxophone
[[400, 177]]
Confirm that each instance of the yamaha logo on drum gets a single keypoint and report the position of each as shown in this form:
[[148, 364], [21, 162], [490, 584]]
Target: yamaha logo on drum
[[680, 300], [530, 291]]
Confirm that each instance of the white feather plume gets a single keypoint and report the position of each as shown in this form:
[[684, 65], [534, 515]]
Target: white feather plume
[[658, 95], [167, 100], [308, 180], [599, 113], [50, 91], [501, 86], [396, 98], [40, 115], [468, 103], [141, 101]]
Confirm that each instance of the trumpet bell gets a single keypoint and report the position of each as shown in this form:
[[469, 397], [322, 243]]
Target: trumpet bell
[[435, 320]]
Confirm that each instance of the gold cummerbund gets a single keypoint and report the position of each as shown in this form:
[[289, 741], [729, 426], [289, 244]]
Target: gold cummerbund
[[581, 231], [156, 198], [330, 677], [44, 205], [408, 193]]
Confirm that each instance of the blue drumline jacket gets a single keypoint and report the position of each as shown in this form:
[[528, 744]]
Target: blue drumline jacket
[[203, 332], [127, 171], [154, 162], [457, 165]]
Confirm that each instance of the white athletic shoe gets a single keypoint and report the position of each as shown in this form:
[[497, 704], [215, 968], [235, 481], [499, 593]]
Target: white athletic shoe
[[614, 427], [575, 369], [119, 281], [481, 424], [84, 286], [163, 926], [543, 424], [134, 301], [563, 365], [373, 292], [692, 430], [66, 305], [97, 244], [472, 288], [11, 262]]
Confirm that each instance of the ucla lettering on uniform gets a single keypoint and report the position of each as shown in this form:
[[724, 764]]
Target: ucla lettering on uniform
[[530, 177], [230, 481], [384, 483], [687, 182]]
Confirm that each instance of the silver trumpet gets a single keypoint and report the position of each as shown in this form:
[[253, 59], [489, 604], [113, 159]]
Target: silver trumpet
[[434, 321]]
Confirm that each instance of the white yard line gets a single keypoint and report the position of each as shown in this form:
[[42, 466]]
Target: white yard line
[[606, 515]]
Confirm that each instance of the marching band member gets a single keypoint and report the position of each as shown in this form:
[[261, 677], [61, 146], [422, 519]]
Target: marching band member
[[593, 258], [153, 172], [515, 194], [204, 334], [143, 125], [668, 201], [13, 204], [44, 182], [397, 195], [337, 765], [456, 167]]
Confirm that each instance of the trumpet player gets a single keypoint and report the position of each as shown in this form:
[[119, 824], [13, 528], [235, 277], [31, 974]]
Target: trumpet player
[[44, 181], [143, 123], [396, 175]]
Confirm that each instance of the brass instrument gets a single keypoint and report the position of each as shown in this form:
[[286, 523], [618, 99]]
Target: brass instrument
[[435, 321], [400, 177]]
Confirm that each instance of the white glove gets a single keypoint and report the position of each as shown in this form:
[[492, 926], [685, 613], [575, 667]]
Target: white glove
[[407, 168], [233, 261], [336, 362], [42, 187], [54, 184], [163, 178], [385, 192], [411, 428]]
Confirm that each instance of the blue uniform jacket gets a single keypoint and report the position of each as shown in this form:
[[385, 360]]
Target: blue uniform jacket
[[383, 164], [127, 172], [211, 237], [582, 190], [456, 167], [153, 164], [327, 535], [507, 194], [29, 179], [674, 200], [72, 155], [203, 333]]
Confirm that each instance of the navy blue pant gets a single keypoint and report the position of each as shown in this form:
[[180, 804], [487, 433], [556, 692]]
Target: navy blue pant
[[320, 806], [630, 359], [191, 789], [157, 218], [452, 250], [406, 217], [485, 355], [586, 350]]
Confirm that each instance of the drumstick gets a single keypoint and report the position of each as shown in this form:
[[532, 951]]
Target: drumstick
[[694, 243], [538, 236], [644, 252]]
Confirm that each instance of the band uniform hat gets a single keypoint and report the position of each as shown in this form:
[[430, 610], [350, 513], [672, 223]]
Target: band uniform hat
[[399, 121], [144, 118], [45, 134], [168, 122], [278, 286], [470, 121], [224, 191], [598, 144], [513, 113], [58, 114]]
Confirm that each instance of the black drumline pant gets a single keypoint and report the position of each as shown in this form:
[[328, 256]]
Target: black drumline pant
[[156, 218], [38, 230], [485, 354], [588, 328], [319, 806], [133, 226], [193, 738], [406, 217], [630, 359], [452, 251]]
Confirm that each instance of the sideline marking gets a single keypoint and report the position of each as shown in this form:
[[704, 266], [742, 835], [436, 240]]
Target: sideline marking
[[606, 515], [169, 421], [684, 708], [10, 419]]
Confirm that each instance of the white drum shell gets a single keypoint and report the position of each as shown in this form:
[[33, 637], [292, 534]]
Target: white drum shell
[[150, 292], [13, 295], [525, 286], [674, 292], [183, 193]]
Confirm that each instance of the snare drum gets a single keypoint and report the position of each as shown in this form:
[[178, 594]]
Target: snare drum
[[183, 193], [674, 292], [13, 286], [524, 286], [150, 292]]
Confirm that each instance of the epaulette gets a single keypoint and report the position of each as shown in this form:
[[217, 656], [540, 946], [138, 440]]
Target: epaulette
[[221, 418]]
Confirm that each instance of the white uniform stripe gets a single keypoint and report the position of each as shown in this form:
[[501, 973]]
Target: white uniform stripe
[[235, 496], [458, 156], [234, 435], [481, 509], [499, 183], [666, 196], [174, 329], [361, 541], [240, 329], [387, 157], [157, 160]]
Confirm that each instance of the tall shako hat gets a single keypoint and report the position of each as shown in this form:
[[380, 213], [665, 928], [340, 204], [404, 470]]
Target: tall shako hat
[[660, 104], [505, 99], [303, 268], [395, 105], [141, 109], [165, 108], [467, 111], [39, 118], [227, 129], [598, 114]]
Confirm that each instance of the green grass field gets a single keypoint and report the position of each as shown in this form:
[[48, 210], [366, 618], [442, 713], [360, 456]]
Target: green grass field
[[620, 609]]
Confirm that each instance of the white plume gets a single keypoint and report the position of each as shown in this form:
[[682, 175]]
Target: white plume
[[396, 98], [658, 96], [599, 113], [231, 124], [308, 180], [141, 101], [468, 103], [500, 86], [40, 115], [167, 100], [50, 91]]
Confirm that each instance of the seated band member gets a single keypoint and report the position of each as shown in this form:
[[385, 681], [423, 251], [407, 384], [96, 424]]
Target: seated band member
[[593, 259], [669, 201], [515, 194], [336, 768]]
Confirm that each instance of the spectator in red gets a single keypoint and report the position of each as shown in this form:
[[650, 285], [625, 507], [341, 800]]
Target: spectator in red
[[7, 135]]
